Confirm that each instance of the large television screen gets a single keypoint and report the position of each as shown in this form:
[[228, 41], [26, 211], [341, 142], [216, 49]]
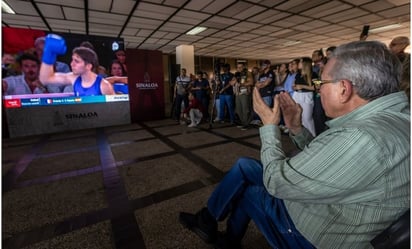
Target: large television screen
[[30, 114], [106, 49]]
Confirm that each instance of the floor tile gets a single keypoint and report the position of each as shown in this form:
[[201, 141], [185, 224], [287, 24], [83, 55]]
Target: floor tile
[[118, 187]]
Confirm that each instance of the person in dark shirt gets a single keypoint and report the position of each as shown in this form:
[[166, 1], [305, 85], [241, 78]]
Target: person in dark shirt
[[265, 85], [227, 81], [200, 89]]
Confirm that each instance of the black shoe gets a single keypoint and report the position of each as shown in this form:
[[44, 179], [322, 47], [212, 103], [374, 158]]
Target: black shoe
[[202, 223], [224, 241]]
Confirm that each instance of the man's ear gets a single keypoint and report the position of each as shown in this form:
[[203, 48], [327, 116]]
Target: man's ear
[[89, 66], [346, 89]]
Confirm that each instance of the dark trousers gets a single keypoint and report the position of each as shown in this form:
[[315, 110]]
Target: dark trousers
[[282, 121], [319, 117], [178, 104]]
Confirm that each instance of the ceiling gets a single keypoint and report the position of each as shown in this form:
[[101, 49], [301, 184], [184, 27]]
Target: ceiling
[[278, 30]]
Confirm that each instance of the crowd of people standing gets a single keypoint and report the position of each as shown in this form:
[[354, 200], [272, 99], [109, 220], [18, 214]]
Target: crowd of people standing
[[227, 96]]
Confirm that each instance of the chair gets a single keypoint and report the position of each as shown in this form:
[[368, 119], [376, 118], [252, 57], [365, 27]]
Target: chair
[[396, 236]]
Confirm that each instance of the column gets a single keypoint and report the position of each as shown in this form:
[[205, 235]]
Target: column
[[185, 56]]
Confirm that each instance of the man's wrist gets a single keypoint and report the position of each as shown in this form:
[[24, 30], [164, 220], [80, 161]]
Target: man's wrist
[[295, 130]]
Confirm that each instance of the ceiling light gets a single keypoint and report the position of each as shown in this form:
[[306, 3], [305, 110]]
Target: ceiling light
[[385, 28], [7, 8], [196, 30]]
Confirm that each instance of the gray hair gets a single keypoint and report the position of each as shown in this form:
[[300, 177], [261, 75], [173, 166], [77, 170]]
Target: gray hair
[[371, 67]]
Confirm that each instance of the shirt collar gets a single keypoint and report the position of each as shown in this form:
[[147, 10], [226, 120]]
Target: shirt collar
[[397, 101]]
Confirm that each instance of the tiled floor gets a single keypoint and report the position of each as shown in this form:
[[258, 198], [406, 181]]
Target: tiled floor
[[117, 187]]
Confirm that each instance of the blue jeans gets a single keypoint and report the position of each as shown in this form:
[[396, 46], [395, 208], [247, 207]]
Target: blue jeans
[[242, 194], [227, 100], [268, 100], [217, 107]]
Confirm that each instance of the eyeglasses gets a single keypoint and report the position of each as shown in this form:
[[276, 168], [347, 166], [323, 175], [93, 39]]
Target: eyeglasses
[[318, 83]]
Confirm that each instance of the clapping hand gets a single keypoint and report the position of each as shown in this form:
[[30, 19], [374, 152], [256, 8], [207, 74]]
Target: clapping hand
[[283, 103], [292, 112], [267, 115]]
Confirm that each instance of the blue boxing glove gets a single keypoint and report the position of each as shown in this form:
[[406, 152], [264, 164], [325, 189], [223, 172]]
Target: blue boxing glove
[[53, 46]]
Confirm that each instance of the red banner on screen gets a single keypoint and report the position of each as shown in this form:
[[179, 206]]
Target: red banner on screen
[[17, 40], [12, 103]]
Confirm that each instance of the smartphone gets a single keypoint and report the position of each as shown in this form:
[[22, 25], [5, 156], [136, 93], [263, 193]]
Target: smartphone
[[365, 30]]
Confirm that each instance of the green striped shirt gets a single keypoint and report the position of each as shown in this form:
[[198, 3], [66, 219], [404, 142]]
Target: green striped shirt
[[351, 181]]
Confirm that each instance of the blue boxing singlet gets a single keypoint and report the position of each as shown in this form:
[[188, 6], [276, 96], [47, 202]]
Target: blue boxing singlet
[[91, 91]]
